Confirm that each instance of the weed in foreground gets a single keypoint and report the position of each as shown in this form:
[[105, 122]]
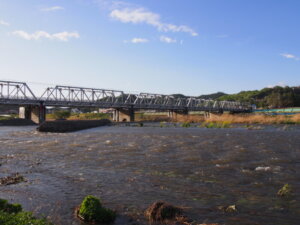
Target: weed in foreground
[[12, 214], [91, 210]]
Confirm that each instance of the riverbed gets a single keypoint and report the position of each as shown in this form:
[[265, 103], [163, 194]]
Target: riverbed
[[199, 169]]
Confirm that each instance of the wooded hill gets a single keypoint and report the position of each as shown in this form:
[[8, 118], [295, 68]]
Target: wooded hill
[[277, 97]]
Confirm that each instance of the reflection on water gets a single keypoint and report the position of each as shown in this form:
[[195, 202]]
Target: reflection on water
[[130, 167]]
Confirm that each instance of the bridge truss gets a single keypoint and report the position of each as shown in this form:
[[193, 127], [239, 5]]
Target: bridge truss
[[68, 96], [15, 93]]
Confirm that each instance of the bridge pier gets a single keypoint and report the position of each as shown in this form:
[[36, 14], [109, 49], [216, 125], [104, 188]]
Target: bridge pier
[[35, 113], [123, 115], [173, 114], [116, 116], [207, 115]]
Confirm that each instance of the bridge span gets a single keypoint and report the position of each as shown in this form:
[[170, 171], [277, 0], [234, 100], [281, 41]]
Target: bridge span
[[124, 104]]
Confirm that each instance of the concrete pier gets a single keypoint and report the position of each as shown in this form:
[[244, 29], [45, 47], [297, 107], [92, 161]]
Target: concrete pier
[[124, 115], [173, 114], [207, 115], [35, 113]]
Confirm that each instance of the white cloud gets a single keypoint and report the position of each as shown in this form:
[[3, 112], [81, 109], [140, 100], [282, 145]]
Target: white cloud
[[143, 16], [4, 23], [53, 8], [137, 40], [62, 36], [167, 39], [290, 56]]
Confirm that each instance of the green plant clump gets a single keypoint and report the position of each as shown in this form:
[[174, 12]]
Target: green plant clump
[[91, 210], [9, 208], [11, 214], [21, 218], [92, 116], [162, 124], [186, 124], [61, 114], [285, 191], [224, 124]]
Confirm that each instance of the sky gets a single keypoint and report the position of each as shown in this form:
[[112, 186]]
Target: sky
[[191, 47]]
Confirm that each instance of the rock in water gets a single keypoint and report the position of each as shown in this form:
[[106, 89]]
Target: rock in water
[[162, 211]]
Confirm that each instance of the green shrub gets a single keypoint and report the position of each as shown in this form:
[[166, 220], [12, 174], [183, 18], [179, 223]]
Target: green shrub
[[21, 218], [210, 125], [92, 116], [91, 210], [226, 124], [3, 204], [61, 114], [9, 208], [285, 191], [13, 208], [11, 214], [186, 124]]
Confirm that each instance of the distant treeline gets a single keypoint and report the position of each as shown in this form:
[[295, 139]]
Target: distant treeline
[[276, 97]]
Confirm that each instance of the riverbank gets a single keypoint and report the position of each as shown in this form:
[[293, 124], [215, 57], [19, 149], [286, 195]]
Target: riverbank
[[62, 126]]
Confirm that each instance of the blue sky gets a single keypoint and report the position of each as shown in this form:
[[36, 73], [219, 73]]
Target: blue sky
[[159, 46]]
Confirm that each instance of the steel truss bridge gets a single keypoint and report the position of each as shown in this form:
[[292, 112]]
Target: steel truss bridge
[[19, 93]]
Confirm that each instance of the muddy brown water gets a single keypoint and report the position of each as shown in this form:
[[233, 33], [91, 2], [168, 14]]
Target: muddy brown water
[[131, 167]]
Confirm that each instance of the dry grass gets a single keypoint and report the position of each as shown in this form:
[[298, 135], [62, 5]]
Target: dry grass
[[255, 119], [199, 118], [233, 119], [189, 118], [152, 118]]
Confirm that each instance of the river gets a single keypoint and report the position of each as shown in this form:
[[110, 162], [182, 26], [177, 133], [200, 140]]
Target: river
[[199, 169]]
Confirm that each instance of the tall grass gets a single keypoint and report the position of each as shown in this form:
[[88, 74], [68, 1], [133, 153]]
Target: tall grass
[[255, 119], [228, 119], [153, 118]]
